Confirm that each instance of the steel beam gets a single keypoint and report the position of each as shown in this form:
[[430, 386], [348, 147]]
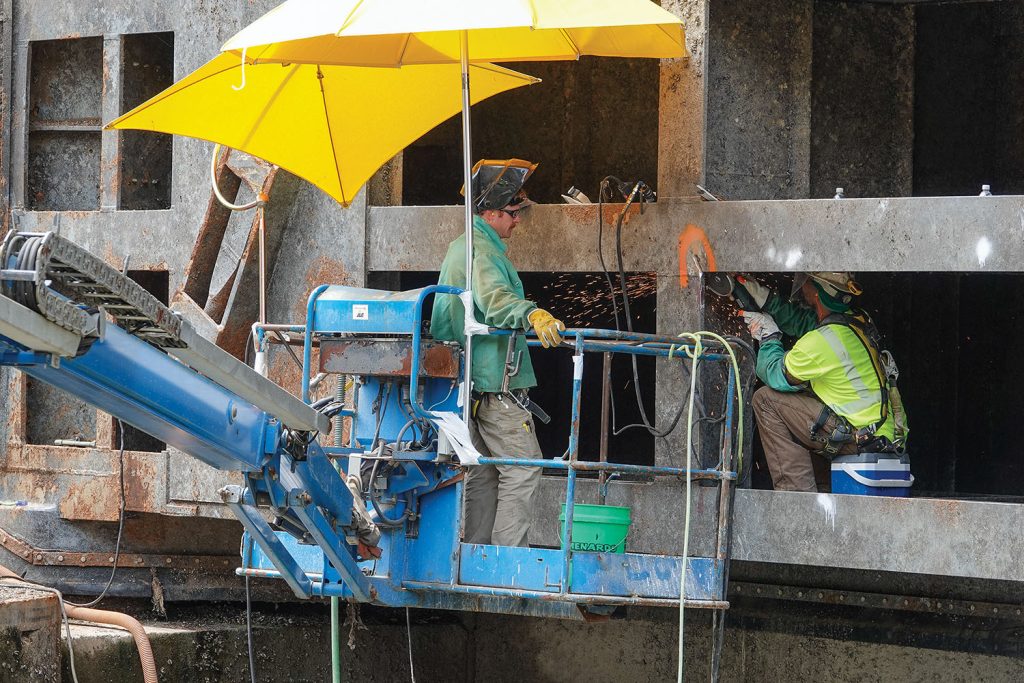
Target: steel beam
[[35, 332]]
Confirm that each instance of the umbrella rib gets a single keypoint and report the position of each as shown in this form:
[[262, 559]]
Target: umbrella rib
[[405, 46], [172, 91], [330, 133], [568, 38], [348, 17], [661, 27]]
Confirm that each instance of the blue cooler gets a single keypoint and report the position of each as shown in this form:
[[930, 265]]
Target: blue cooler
[[872, 474]]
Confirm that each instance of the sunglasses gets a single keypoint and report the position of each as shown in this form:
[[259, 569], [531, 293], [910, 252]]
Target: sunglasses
[[514, 213]]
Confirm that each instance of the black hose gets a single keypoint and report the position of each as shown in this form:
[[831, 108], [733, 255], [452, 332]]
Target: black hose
[[384, 520]]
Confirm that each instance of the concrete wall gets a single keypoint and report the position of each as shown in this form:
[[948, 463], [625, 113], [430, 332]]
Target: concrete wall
[[862, 99], [775, 101], [757, 136], [470, 647]]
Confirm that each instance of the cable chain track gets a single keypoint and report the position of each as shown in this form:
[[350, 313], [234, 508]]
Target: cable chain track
[[84, 279]]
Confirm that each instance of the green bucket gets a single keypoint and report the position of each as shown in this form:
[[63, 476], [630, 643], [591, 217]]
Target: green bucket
[[597, 528]]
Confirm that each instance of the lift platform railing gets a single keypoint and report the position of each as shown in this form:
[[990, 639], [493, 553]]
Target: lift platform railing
[[614, 341]]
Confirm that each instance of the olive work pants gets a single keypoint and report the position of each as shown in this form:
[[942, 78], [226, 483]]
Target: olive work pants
[[499, 498], [785, 420]]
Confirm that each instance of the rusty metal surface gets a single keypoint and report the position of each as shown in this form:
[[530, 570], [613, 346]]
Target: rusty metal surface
[[77, 558], [901, 603], [387, 358]]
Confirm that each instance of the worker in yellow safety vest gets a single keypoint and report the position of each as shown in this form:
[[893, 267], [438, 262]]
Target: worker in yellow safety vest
[[833, 393]]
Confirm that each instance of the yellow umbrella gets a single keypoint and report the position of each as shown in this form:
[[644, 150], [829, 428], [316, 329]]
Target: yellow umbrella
[[332, 125], [402, 32], [405, 32]]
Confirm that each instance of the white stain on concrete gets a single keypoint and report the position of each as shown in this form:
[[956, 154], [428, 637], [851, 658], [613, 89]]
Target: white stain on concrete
[[983, 249], [793, 257], [828, 504]]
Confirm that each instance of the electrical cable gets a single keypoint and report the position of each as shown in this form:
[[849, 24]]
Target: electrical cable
[[645, 422], [248, 631], [697, 350], [695, 355], [408, 631], [120, 529], [25, 583]]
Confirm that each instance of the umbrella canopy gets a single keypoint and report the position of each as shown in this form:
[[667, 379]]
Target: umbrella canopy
[[401, 32], [332, 125], [407, 32]]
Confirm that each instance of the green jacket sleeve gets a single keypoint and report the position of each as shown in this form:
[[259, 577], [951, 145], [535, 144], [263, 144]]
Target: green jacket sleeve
[[770, 367], [495, 295], [793, 319]]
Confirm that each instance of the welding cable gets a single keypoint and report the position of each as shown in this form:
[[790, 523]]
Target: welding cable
[[408, 632], [120, 528], [7, 574], [605, 184], [645, 421], [738, 384], [248, 632], [697, 350]]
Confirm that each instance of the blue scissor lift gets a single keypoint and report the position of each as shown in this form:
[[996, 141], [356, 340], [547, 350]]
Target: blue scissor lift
[[423, 563], [377, 521]]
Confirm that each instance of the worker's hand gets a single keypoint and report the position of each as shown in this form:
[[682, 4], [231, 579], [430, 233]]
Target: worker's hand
[[761, 325], [546, 327], [758, 292]]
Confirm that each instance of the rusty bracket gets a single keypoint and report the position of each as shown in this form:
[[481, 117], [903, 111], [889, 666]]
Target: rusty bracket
[[74, 558], [907, 603]]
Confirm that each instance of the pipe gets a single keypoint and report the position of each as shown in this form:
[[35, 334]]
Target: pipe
[[100, 616], [339, 396]]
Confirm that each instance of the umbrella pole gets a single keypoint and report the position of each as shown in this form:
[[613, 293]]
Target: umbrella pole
[[467, 171]]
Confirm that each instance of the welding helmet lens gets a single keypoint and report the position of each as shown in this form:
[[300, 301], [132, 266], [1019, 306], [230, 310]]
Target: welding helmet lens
[[497, 184]]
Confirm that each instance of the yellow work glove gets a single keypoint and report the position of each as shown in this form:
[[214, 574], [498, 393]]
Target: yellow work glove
[[546, 327]]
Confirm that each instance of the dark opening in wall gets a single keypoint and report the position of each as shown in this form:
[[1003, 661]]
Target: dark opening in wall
[[65, 90], [147, 67], [580, 300], [157, 283], [52, 414], [969, 98], [584, 121], [958, 339]]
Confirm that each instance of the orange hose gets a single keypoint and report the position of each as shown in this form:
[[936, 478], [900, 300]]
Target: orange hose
[[129, 624], [100, 616]]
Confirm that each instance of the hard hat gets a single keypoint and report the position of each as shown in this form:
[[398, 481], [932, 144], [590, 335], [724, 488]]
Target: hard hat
[[837, 288], [499, 183]]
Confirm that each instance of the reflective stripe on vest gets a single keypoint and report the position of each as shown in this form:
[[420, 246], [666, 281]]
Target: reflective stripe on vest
[[867, 398]]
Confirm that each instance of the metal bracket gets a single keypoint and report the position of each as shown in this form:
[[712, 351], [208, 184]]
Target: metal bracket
[[270, 544], [325, 536]]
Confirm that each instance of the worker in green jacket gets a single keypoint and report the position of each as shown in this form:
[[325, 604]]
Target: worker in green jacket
[[498, 498], [833, 393]]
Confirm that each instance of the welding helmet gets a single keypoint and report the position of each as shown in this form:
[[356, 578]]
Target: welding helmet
[[499, 183], [835, 289]]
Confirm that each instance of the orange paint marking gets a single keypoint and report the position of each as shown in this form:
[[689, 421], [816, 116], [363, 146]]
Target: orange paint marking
[[690, 239]]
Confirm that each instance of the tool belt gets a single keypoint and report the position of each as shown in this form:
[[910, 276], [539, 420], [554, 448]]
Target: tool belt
[[521, 397], [844, 433]]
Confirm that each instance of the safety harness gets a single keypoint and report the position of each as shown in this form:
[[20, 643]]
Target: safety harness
[[886, 372]]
